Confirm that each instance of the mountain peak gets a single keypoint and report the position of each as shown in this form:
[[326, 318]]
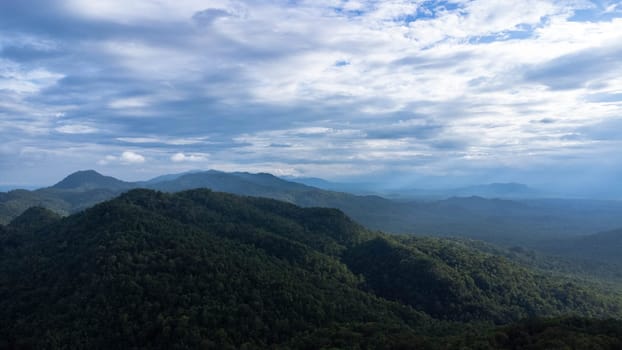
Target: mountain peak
[[34, 218], [87, 179]]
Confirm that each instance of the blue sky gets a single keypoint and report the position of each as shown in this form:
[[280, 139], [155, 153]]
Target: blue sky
[[419, 93]]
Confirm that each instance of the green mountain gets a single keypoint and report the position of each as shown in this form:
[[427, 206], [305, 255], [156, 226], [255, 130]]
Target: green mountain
[[77, 191], [501, 221], [202, 269]]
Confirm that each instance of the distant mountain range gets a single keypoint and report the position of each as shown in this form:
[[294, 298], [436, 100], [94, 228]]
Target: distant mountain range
[[509, 190], [524, 221]]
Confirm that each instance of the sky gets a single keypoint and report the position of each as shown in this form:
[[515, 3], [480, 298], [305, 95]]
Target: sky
[[409, 93]]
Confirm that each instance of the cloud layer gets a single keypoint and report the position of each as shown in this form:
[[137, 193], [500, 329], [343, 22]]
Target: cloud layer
[[399, 90]]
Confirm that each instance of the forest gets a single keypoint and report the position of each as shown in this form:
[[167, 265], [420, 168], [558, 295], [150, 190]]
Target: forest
[[204, 269]]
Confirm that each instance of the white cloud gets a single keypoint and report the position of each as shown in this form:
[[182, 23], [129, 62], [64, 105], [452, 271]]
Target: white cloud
[[124, 12], [190, 157], [22, 80], [131, 157], [76, 129], [129, 102], [126, 157], [165, 140], [107, 160]]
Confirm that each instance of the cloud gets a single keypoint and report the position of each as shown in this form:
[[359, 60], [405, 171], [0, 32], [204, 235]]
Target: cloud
[[192, 157], [76, 129], [126, 157], [131, 157], [164, 140], [207, 16], [310, 87], [578, 69], [129, 102]]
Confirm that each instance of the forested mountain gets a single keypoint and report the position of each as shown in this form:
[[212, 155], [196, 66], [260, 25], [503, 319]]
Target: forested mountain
[[206, 269], [605, 247], [77, 191], [508, 222]]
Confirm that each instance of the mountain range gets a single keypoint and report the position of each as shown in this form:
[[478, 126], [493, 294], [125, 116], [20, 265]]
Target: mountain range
[[503, 221], [203, 269]]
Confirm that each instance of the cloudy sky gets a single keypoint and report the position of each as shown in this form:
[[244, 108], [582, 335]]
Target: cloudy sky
[[406, 92]]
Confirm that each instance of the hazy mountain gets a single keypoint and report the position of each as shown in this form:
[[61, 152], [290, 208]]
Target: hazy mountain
[[496, 220], [497, 190], [605, 247], [355, 188], [264, 185], [204, 269], [509, 190], [168, 177], [492, 191], [77, 191], [7, 188], [90, 179]]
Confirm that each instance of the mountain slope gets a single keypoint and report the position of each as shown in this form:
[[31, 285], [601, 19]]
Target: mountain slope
[[603, 247], [205, 269], [448, 280], [198, 269]]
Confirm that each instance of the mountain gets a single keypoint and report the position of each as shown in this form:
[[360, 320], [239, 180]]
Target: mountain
[[197, 269], [262, 184], [90, 179], [496, 220], [167, 177], [362, 188], [34, 219], [497, 190], [509, 190], [205, 269], [502, 221], [604, 247], [77, 191]]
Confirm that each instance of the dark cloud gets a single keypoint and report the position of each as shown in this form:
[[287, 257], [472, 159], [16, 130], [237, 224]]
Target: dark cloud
[[432, 62], [414, 128], [207, 16], [576, 70], [545, 121]]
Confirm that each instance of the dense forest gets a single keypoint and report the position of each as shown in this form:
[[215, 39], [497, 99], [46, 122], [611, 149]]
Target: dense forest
[[203, 269]]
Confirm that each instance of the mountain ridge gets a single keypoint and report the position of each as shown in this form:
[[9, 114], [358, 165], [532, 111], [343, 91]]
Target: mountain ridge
[[215, 269], [500, 221]]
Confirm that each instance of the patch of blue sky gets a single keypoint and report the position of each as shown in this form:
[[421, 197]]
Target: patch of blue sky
[[429, 10], [502, 36], [600, 11], [348, 13], [605, 97]]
